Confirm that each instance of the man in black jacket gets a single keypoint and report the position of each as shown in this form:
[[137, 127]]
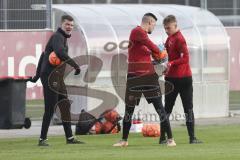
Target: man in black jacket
[[55, 96]]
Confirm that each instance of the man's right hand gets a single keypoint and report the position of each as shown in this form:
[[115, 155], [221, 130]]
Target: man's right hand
[[33, 79], [168, 65]]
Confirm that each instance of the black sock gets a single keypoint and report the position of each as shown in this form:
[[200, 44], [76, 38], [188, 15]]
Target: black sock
[[157, 103], [67, 129], [127, 121], [190, 124]]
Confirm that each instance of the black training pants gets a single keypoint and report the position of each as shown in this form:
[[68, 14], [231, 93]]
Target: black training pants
[[148, 86], [183, 87], [55, 95]]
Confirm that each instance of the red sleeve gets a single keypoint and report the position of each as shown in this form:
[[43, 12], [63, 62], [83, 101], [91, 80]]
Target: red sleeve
[[183, 50], [142, 38]]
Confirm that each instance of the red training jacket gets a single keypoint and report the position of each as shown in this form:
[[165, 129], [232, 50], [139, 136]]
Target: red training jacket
[[139, 51], [178, 56]]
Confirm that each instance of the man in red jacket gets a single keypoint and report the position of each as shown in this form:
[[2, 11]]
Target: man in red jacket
[[179, 74], [142, 78]]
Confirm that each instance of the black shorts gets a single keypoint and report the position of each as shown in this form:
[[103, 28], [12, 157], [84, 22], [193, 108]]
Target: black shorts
[[147, 85]]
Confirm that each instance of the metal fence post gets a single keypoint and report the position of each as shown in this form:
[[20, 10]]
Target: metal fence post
[[49, 14], [5, 10], [204, 4]]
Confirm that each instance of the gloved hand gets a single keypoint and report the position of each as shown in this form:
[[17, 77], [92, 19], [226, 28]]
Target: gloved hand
[[161, 60], [155, 62], [77, 71], [33, 79], [161, 47]]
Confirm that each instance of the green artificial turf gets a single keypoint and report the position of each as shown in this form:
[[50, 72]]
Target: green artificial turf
[[220, 143]]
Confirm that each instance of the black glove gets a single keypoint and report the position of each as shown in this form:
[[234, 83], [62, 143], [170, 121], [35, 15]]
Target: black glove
[[77, 71], [33, 79]]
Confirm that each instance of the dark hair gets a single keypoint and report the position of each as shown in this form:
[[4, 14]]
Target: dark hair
[[66, 17], [169, 19], [150, 15]]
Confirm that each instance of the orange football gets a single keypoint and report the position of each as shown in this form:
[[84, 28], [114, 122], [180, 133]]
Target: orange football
[[53, 59], [163, 54], [107, 126], [151, 130], [112, 116]]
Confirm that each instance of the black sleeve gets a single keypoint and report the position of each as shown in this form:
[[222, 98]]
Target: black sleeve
[[38, 71], [59, 49]]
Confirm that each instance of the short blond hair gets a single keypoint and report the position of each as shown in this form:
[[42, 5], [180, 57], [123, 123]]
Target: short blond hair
[[169, 19]]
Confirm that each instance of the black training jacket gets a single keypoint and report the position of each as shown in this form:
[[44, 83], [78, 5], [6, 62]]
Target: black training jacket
[[58, 44]]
